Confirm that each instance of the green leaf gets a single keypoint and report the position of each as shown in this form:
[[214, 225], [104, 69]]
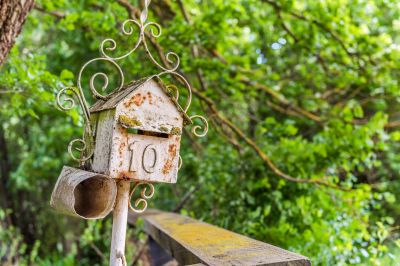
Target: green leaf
[[66, 74]]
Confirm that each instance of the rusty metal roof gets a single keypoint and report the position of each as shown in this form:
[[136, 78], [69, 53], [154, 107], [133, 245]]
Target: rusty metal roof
[[115, 97]]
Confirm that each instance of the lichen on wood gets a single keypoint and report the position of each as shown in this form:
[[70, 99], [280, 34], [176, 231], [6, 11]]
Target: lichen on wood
[[163, 128], [128, 121], [176, 131]]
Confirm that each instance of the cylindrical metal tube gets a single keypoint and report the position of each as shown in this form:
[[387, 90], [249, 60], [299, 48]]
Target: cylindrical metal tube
[[83, 194]]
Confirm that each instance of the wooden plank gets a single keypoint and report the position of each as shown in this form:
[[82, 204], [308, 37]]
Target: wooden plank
[[192, 242], [104, 133]]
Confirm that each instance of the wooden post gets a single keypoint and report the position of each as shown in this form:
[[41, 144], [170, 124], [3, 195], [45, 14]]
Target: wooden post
[[120, 218]]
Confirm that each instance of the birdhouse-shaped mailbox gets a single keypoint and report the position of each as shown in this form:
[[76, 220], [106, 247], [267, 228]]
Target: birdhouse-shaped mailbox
[[133, 133], [137, 133]]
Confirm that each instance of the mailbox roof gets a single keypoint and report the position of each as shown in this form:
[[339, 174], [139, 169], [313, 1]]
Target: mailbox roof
[[116, 97]]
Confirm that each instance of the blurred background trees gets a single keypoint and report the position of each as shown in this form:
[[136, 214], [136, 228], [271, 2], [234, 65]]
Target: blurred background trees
[[302, 99]]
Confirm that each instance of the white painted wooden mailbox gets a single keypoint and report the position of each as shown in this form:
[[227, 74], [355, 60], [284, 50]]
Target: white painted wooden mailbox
[[131, 135], [138, 132]]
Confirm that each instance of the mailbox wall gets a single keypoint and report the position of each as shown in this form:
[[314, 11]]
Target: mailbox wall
[[104, 123], [144, 157], [149, 108]]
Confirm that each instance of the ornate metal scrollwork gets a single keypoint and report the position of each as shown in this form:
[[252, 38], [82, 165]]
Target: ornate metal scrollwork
[[71, 102], [141, 202], [174, 91], [185, 82], [95, 93], [114, 43], [83, 149], [204, 128], [172, 61], [65, 102], [180, 162]]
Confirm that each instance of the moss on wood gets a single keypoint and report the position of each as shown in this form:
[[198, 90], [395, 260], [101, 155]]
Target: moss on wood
[[163, 129], [129, 122], [176, 131]]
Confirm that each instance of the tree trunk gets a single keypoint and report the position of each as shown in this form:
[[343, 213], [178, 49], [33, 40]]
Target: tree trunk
[[12, 16], [4, 175]]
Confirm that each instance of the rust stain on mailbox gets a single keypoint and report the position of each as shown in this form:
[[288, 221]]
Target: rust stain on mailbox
[[171, 157], [125, 175], [136, 99], [150, 96], [121, 149]]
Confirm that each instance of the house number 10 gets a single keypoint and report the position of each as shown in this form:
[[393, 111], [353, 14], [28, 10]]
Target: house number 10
[[148, 167]]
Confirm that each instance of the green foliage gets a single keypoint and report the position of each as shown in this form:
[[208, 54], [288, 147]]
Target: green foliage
[[335, 60]]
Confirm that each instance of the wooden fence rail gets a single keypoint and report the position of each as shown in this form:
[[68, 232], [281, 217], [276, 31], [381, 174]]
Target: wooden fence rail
[[193, 242]]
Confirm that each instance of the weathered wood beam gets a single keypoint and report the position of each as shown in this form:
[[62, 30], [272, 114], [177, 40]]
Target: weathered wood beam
[[193, 242]]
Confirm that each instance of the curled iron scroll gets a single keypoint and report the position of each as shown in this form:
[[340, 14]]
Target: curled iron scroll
[[185, 83], [95, 93], [65, 102], [84, 149], [141, 202], [197, 130], [171, 57], [114, 43], [173, 90], [180, 162], [70, 102]]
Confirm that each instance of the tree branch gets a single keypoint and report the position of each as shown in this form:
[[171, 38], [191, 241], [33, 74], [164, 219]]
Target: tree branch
[[313, 21], [281, 100], [258, 150], [56, 14], [186, 198], [212, 107]]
